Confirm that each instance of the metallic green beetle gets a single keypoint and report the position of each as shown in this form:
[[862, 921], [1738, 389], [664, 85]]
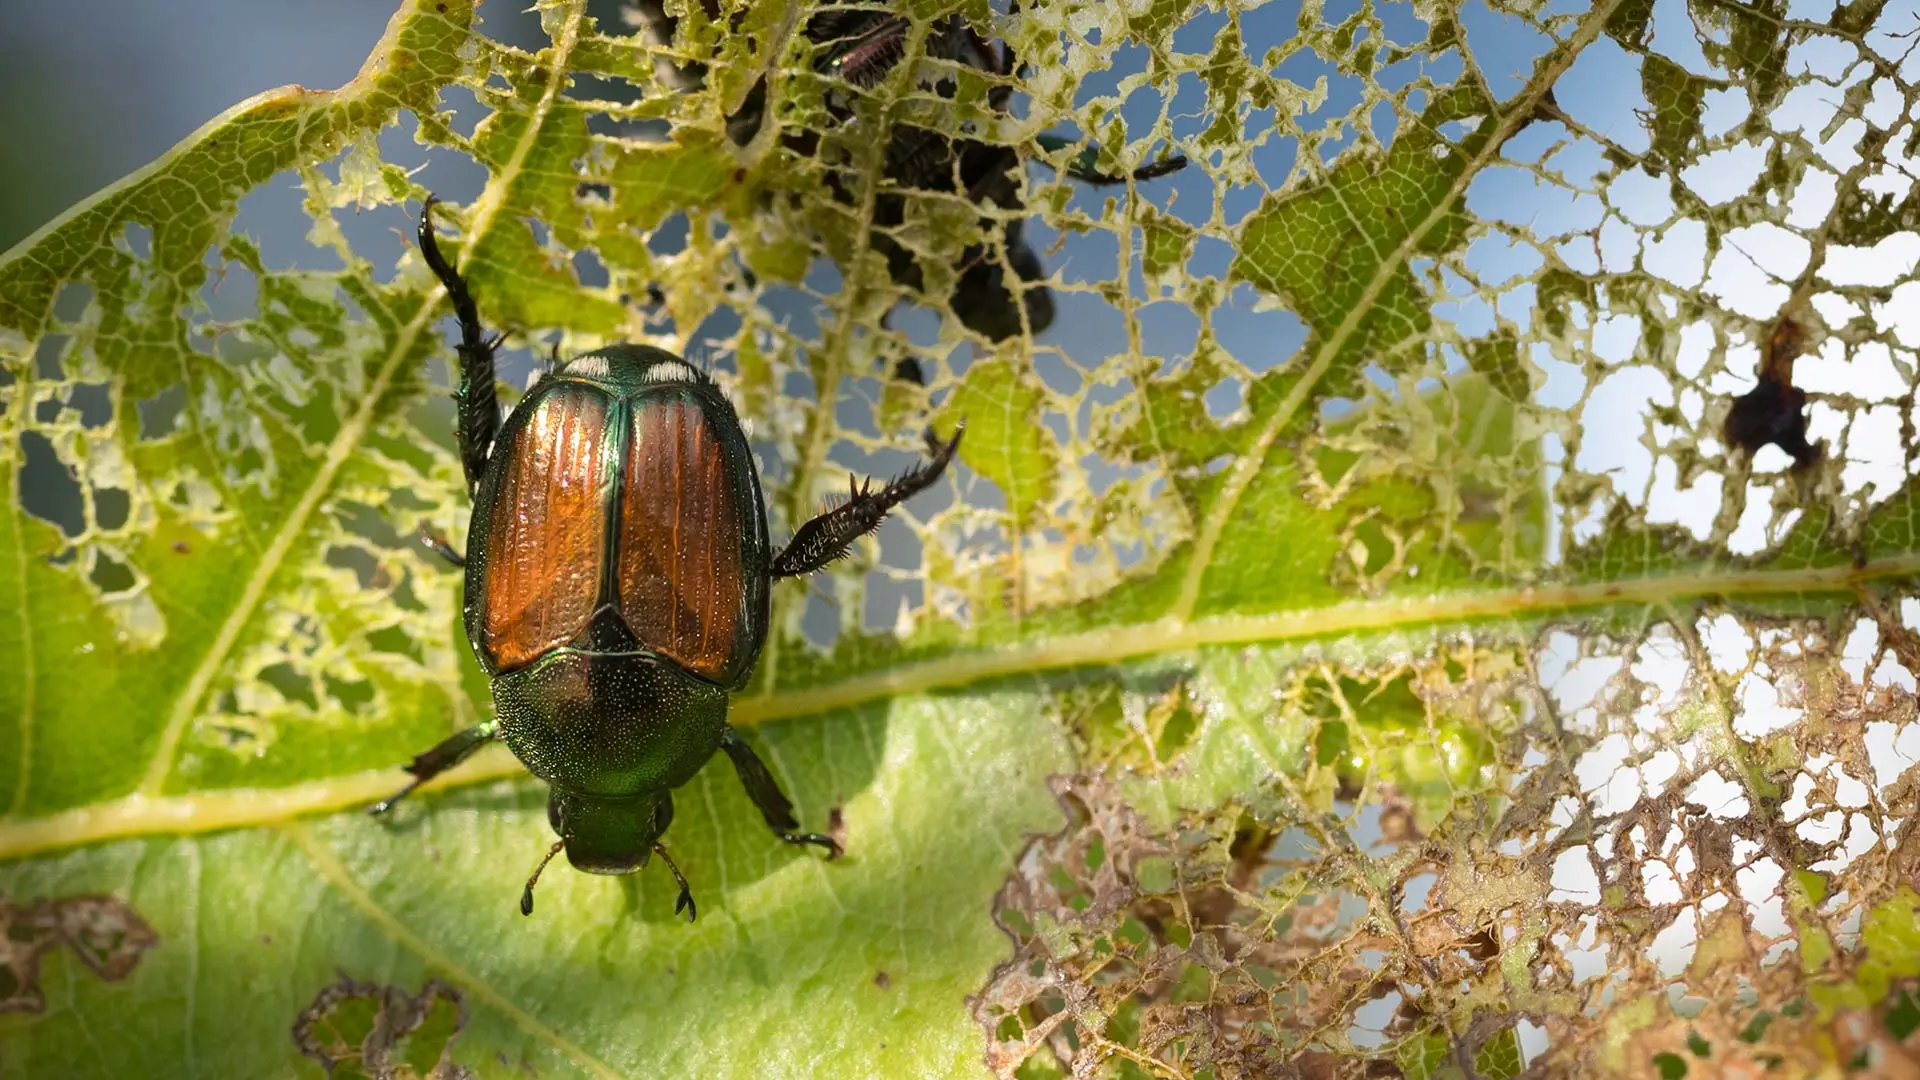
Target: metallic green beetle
[[617, 584]]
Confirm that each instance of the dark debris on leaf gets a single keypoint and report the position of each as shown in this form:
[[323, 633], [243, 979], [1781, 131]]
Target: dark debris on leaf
[[1775, 412]]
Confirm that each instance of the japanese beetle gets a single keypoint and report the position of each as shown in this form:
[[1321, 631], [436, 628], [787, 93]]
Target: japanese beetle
[[617, 584], [859, 46]]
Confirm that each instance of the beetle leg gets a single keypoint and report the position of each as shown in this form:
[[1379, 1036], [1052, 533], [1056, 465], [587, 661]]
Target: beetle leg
[[433, 541], [765, 792], [827, 537], [442, 757], [685, 900], [477, 400], [1084, 168]]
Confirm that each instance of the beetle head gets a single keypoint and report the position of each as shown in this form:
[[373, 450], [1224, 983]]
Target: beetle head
[[609, 835]]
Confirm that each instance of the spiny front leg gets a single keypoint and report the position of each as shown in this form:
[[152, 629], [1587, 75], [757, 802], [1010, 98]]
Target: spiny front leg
[[477, 401], [765, 792], [827, 537]]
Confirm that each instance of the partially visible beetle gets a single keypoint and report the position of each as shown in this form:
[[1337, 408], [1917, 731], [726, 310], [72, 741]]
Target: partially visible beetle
[[860, 46], [617, 585]]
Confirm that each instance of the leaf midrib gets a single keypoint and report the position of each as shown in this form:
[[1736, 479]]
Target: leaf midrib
[[142, 815], [29, 673]]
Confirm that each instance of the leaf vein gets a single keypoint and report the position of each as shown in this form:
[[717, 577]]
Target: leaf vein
[[141, 815], [355, 429], [1248, 465], [29, 674], [329, 866], [351, 433]]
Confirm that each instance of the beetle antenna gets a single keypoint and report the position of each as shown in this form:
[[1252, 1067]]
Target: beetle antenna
[[526, 898]]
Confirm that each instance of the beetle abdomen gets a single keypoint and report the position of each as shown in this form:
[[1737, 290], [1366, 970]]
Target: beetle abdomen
[[681, 537], [547, 537]]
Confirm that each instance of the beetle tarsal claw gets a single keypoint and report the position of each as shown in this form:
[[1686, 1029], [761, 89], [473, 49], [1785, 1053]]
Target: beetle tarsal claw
[[943, 451], [431, 539], [832, 846], [684, 902], [380, 808]]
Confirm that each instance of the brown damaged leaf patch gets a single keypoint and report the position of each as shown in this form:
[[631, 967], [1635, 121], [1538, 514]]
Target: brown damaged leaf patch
[[1226, 946], [103, 933], [368, 1031], [1753, 911]]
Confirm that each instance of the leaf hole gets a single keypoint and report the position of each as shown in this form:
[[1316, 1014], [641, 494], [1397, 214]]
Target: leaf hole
[[1370, 1020], [291, 683], [893, 603], [1176, 732], [370, 523], [47, 356], [353, 695], [49, 487], [1225, 399], [159, 415], [111, 507], [368, 569], [820, 621], [589, 270], [137, 240], [392, 639], [94, 403], [110, 575]]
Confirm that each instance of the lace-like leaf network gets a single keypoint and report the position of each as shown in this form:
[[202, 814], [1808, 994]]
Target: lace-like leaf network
[[1450, 559]]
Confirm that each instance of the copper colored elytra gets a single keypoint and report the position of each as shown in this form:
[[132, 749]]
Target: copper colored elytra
[[618, 576]]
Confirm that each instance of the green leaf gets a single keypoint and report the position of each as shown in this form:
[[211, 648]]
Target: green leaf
[[1355, 689]]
